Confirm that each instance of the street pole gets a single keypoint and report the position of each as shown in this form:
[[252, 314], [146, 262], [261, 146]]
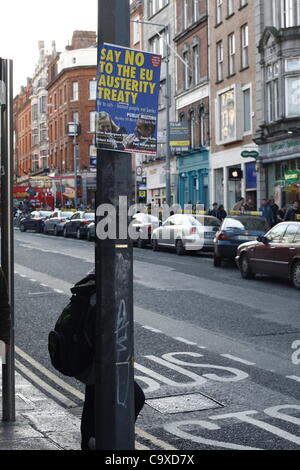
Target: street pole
[[75, 169], [7, 240], [168, 152], [114, 388]]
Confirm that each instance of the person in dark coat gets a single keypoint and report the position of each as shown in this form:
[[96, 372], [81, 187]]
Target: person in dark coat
[[267, 213], [4, 311], [292, 212], [222, 214], [214, 212]]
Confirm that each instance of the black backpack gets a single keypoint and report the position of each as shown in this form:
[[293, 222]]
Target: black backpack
[[71, 344]]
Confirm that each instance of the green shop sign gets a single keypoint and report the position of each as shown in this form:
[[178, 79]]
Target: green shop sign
[[292, 176], [250, 154]]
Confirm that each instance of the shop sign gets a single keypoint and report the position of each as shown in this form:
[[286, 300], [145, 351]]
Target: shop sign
[[292, 176]]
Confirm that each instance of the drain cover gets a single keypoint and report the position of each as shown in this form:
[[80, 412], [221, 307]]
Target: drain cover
[[183, 403]]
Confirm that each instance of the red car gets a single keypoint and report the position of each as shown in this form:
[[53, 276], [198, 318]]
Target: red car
[[276, 254]]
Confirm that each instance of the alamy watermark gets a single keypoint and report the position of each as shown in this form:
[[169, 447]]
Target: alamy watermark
[[2, 352], [118, 223], [296, 354]]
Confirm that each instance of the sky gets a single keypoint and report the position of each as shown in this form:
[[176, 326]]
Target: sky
[[25, 22]]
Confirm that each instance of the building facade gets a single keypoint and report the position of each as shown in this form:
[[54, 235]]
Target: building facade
[[158, 38], [192, 99], [278, 98], [233, 99], [71, 90], [22, 128]]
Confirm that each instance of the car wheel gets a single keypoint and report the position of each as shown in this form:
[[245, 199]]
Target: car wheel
[[78, 234], [45, 230], [296, 274], [65, 233], [22, 228], [180, 250], [56, 231], [217, 261], [245, 267], [155, 246]]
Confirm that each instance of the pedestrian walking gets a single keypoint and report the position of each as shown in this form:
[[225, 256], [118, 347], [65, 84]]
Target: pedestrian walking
[[293, 212], [281, 214], [267, 212], [214, 211], [274, 208], [222, 214], [4, 311], [240, 205]]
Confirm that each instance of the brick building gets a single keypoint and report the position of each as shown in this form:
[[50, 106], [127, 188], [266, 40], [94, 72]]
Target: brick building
[[71, 89], [233, 98], [192, 98], [22, 126]]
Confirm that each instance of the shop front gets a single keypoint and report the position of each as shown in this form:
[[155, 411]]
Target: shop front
[[281, 161], [193, 170]]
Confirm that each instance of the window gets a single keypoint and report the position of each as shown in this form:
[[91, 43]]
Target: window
[[43, 133], [35, 112], [158, 43], [195, 10], [272, 91], [35, 137], [290, 233], [136, 30], [245, 46], [43, 104], [219, 16], [76, 117], [286, 13], [75, 94], [92, 89], [230, 7], [186, 70], [196, 63], [162, 94], [243, 3], [92, 121], [247, 110], [220, 58], [292, 65], [227, 116], [276, 234], [293, 96], [231, 54], [155, 5]]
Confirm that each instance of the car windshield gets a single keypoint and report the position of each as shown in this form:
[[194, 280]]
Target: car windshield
[[89, 215], [190, 220], [257, 224], [209, 221], [66, 215]]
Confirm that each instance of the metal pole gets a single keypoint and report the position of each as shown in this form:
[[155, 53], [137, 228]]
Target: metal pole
[[7, 241], [168, 152], [114, 392], [75, 171]]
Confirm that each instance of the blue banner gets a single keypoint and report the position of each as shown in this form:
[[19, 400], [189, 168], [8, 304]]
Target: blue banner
[[127, 100]]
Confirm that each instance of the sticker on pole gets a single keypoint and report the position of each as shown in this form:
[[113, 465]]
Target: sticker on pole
[[127, 100]]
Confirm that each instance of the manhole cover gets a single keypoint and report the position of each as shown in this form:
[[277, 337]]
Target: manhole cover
[[183, 403]]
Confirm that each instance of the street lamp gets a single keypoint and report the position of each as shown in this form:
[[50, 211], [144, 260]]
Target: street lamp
[[73, 131]]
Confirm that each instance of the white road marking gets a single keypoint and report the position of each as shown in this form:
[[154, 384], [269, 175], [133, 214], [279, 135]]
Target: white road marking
[[33, 280], [59, 291], [140, 432], [49, 374], [238, 359], [154, 330], [44, 285], [293, 377], [139, 446], [61, 398], [183, 340]]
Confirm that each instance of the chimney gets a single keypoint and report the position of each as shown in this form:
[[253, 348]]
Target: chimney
[[82, 40]]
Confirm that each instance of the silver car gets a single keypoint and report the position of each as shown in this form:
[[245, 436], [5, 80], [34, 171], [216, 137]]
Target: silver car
[[52, 225]]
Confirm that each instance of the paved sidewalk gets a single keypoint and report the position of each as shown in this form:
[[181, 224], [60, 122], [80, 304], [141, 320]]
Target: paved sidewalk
[[40, 423]]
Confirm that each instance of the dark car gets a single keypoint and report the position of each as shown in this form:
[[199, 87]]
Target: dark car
[[90, 233], [236, 230], [34, 221], [144, 225], [53, 224], [78, 224], [275, 254]]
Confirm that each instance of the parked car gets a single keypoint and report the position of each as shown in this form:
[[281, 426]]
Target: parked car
[[236, 230], [34, 221], [211, 226], [91, 231], [144, 224], [56, 218], [77, 225], [275, 254], [181, 232]]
